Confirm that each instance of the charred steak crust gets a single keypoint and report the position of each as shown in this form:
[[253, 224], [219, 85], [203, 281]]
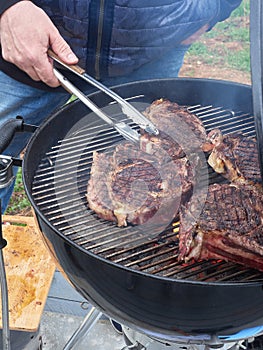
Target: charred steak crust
[[97, 193], [229, 226], [138, 184], [132, 187], [235, 156], [174, 123]]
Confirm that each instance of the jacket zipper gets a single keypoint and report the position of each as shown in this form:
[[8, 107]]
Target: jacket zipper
[[99, 39]]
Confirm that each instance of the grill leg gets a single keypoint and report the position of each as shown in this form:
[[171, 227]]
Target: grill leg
[[86, 325]]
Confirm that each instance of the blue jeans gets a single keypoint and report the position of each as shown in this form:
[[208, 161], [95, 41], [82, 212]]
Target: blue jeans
[[36, 105]]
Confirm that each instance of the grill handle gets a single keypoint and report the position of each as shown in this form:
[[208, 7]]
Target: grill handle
[[256, 55], [8, 130], [10, 127]]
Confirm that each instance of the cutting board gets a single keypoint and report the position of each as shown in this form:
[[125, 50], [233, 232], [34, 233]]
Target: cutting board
[[29, 270]]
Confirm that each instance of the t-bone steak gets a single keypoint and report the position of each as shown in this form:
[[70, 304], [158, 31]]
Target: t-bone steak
[[133, 187], [229, 227], [147, 184], [235, 157]]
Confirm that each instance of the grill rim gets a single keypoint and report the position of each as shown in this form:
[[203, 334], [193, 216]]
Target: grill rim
[[145, 274], [109, 290], [86, 251]]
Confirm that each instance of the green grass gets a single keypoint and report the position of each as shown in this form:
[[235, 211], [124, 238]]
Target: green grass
[[219, 46], [19, 201], [242, 10]]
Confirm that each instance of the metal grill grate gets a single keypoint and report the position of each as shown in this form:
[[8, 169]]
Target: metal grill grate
[[59, 191]]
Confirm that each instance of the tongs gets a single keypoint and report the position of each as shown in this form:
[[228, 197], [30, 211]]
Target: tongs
[[132, 113]]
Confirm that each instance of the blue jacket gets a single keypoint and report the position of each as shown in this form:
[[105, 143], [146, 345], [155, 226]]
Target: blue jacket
[[115, 37]]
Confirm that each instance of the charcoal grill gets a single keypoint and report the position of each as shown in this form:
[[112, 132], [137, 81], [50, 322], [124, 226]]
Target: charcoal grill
[[65, 207], [131, 275]]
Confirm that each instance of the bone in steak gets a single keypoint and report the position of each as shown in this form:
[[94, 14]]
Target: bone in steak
[[181, 132], [148, 184], [229, 226], [235, 157], [131, 186]]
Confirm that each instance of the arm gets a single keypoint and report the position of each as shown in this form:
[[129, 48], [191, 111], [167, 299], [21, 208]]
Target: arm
[[25, 40], [226, 8]]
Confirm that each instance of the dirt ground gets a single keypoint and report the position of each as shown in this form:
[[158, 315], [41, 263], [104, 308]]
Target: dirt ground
[[195, 68], [200, 70], [220, 46]]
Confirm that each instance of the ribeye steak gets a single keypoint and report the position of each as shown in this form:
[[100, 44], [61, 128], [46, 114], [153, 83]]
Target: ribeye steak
[[131, 186], [181, 132]]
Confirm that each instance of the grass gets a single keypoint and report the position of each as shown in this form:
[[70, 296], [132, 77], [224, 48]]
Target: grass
[[19, 203], [228, 43]]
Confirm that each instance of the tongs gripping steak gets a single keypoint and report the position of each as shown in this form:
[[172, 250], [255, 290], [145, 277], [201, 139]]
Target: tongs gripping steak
[[148, 183]]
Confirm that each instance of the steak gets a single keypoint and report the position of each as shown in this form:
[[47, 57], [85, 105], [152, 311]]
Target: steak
[[227, 225], [131, 186], [235, 157], [147, 184], [174, 122], [97, 191]]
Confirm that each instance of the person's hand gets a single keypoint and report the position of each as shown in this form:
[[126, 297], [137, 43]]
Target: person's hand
[[26, 33]]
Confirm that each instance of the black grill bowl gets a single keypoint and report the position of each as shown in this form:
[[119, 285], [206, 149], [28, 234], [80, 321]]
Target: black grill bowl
[[146, 302]]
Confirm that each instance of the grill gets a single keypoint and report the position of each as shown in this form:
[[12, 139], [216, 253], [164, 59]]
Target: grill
[[59, 189]]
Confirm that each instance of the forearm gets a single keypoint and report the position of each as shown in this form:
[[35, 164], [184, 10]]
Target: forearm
[[5, 4], [226, 8]]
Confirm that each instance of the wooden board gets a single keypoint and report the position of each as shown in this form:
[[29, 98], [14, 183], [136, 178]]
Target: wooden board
[[29, 270]]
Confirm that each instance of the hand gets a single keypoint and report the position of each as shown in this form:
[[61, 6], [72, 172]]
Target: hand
[[26, 38]]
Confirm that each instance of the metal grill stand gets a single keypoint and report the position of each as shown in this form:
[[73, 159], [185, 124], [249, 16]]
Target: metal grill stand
[[4, 293], [86, 325]]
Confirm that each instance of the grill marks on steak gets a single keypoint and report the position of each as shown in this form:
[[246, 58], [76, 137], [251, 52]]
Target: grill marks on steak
[[229, 226], [234, 156], [228, 223], [152, 183], [98, 196], [148, 184], [174, 123], [133, 187]]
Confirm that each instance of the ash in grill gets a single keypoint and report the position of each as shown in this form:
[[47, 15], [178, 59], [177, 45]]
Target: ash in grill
[[66, 209]]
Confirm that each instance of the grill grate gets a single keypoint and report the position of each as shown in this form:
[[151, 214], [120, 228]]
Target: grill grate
[[59, 190], [257, 344]]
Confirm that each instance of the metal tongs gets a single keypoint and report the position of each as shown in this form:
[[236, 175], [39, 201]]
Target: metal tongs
[[132, 113]]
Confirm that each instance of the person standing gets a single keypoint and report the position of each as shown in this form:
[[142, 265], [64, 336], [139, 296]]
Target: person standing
[[115, 41]]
